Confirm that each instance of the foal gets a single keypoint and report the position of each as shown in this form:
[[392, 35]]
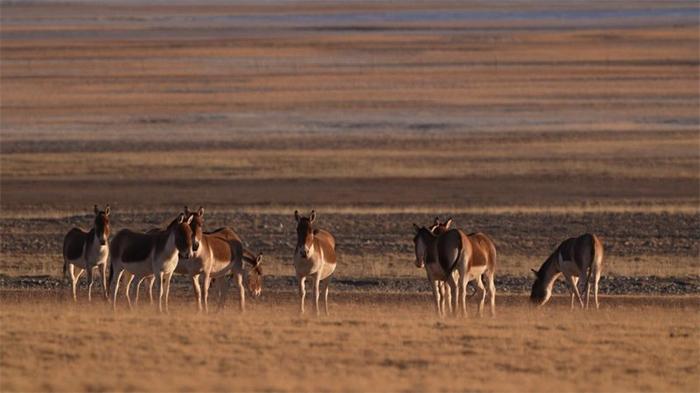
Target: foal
[[575, 258], [314, 257], [88, 251]]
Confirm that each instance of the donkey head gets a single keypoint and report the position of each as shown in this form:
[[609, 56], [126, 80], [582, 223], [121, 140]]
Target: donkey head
[[544, 281], [421, 242], [102, 224], [197, 226], [255, 277], [183, 235], [440, 227], [305, 234]]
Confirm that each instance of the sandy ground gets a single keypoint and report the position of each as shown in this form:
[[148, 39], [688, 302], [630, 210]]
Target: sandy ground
[[370, 342], [531, 122]]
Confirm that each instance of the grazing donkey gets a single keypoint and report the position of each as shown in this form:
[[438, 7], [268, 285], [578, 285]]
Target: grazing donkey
[[456, 258], [88, 251], [217, 254], [314, 257], [575, 258], [154, 253]]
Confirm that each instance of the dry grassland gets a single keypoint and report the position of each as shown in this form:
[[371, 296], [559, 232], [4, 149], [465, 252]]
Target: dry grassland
[[371, 342]]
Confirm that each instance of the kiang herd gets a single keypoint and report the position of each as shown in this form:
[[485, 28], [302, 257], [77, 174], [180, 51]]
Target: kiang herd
[[450, 256]]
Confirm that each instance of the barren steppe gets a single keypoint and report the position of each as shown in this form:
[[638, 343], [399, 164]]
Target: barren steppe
[[372, 342], [529, 121]]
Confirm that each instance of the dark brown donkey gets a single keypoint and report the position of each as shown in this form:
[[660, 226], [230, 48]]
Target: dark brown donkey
[[456, 258], [575, 258], [154, 253], [88, 251]]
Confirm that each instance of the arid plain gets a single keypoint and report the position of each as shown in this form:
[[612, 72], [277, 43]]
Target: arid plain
[[531, 122]]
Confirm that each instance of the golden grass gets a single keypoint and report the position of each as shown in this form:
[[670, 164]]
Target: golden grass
[[369, 343]]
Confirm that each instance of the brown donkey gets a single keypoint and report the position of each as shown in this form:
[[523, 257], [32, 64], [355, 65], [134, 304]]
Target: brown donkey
[[456, 258], [314, 257], [216, 255], [575, 258], [88, 251]]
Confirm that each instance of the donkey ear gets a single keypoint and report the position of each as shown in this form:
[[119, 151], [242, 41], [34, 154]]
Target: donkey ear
[[448, 223], [296, 215], [258, 259], [181, 218], [97, 211], [107, 210], [416, 228], [312, 217], [200, 211], [437, 220], [189, 220]]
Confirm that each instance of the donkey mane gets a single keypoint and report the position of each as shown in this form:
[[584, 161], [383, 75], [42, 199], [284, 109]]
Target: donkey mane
[[546, 265]]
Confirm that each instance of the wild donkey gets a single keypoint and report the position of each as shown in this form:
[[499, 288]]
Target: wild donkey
[[456, 258], [88, 251], [252, 276], [314, 257], [445, 294], [154, 253], [216, 255], [575, 258]]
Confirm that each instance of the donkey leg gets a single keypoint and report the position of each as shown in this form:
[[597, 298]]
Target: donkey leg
[[197, 291], [587, 291], [455, 292], [438, 288], [127, 289], [138, 289], [302, 293], [205, 294], [492, 294], [90, 280], [324, 286], [104, 281], [317, 293], [575, 281], [241, 291], [446, 298], [574, 288], [151, 282], [160, 278], [441, 291], [168, 277], [480, 285], [463, 280], [73, 281], [116, 278]]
